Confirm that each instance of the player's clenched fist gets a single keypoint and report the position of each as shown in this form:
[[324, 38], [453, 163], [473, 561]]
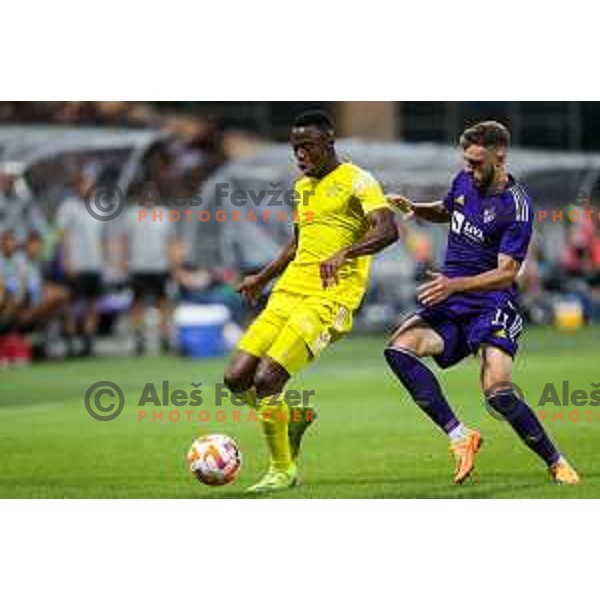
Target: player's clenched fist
[[250, 288]]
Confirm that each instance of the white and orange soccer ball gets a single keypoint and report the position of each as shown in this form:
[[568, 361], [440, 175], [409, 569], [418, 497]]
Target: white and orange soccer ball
[[215, 459]]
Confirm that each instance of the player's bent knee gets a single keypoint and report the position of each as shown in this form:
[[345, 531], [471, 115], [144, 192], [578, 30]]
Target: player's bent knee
[[233, 382], [237, 379], [414, 344], [417, 337], [496, 369], [239, 375], [405, 326], [267, 384], [270, 378], [392, 351]]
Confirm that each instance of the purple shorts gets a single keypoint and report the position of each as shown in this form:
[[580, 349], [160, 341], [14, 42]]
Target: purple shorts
[[465, 328]]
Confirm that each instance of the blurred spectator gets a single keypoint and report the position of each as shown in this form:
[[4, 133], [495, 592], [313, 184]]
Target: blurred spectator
[[83, 241], [13, 274], [150, 251], [44, 298], [3, 300], [581, 255], [18, 212]]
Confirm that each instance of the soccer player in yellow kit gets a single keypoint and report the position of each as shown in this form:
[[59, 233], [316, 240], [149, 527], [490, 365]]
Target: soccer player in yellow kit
[[342, 219]]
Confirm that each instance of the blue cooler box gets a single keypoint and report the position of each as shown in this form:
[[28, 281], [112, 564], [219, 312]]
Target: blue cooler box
[[200, 329]]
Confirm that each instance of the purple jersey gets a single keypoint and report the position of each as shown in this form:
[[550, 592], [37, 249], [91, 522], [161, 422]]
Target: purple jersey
[[482, 227]]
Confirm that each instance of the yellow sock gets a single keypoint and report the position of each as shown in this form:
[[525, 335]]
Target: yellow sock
[[274, 422]]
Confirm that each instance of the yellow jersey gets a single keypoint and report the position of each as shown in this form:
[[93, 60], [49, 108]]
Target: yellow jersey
[[331, 216]]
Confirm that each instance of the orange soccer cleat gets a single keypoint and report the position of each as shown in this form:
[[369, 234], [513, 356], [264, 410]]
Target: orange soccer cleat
[[563, 473], [464, 452]]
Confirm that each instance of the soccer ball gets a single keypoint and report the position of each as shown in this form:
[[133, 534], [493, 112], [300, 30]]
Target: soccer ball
[[215, 459]]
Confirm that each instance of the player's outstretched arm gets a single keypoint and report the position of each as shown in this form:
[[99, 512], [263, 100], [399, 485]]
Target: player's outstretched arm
[[252, 285], [435, 212], [382, 233], [440, 287]]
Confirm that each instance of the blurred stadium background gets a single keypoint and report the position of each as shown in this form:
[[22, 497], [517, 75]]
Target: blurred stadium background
[[50, 150], [51, 309]]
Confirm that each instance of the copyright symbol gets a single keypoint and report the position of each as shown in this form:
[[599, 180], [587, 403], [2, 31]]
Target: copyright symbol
[[104, 202], [503, 386], [101, 408]]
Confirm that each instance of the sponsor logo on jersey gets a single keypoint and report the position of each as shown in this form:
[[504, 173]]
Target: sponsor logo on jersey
[[462, 226]]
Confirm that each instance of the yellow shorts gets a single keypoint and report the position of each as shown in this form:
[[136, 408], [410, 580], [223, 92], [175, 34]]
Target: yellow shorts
[[293, 329]]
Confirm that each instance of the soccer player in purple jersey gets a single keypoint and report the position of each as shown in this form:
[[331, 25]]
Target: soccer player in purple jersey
[[471, 306]]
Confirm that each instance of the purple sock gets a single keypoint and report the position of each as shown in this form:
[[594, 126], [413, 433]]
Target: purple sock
[[524, 421], [423, 386]]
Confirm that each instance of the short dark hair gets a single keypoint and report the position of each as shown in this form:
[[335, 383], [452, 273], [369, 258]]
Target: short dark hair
[[315, 118], [489, 134]]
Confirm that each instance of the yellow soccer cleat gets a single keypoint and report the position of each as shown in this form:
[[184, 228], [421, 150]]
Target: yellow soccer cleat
[[275, 481], [464, 452], [564, 474]]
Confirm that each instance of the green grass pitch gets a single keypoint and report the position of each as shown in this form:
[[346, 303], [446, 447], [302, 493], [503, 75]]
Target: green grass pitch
[[370, 440]]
